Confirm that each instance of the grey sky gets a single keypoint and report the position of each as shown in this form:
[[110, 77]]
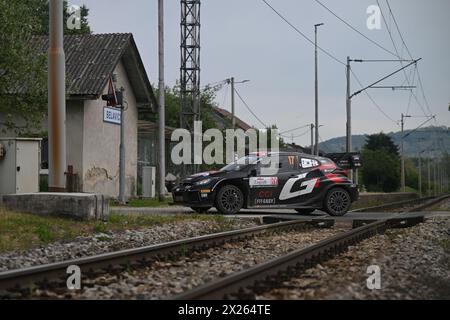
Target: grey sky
[[245, 39]]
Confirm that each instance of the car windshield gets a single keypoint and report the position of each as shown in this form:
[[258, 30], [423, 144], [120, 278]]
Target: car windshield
[[240, 163]]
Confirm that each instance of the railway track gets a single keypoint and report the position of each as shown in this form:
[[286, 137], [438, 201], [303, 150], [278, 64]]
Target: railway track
[[20, 279], [51, 274], [260, 278]]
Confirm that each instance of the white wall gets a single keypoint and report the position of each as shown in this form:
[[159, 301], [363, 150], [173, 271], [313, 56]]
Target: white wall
[[74, 135], [101, 144]]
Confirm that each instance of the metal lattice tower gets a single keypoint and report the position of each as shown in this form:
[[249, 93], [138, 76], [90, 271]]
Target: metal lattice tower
[[190, 63]]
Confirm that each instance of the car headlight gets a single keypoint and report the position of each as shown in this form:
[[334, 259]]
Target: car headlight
[[203, 182]]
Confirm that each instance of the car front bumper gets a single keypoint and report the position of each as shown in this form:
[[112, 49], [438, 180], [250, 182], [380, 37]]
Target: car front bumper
[[193, 196]]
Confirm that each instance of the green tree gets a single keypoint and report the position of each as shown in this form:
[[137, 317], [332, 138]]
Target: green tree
[[411, 174], [41, 7], [22, 70], [381, 141], [173, 103], [381, 164]]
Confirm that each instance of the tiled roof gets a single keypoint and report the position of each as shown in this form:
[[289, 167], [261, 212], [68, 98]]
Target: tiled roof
[[227, 115], [91, 59]]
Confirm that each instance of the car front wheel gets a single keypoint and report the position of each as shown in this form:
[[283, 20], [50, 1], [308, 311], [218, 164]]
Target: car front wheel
[[337, 202], [229, 199]]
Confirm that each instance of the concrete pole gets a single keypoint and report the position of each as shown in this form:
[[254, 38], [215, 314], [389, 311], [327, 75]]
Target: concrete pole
[[402, 182], [434, 177], [439, 178], [56, 100], [122, 199], [316, 146], [429, 176], [233, 119], [420, 174], [162, 116], [349, 116], [312, 138]]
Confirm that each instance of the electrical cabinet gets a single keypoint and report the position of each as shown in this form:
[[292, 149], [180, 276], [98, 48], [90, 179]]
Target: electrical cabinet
[[20, 160], [148, 182]]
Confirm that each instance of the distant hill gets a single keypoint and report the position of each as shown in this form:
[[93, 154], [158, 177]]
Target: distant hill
[[417, 141]]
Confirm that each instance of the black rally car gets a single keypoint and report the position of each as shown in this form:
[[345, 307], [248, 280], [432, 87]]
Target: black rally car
[[301, 182]]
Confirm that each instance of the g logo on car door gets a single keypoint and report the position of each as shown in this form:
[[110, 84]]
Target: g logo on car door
[[286, 191]]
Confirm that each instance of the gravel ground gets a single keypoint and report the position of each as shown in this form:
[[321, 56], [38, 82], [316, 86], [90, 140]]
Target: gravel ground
[[163, 279], [414, 264], [113, 241]]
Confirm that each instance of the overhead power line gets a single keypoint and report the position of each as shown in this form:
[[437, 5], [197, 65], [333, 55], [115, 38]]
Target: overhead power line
[[249, 109], [306, 125], [357, 31], [302, 34], [296, 136], [411, 83], [398, 29], [371, 99], [331, 55], [411, 56]]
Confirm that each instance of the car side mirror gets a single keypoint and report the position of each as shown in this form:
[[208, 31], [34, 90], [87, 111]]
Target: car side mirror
[[253, 173]]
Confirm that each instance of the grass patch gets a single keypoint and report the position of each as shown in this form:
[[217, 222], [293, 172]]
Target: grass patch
[[136, 203], [445, 244], [20, 231]]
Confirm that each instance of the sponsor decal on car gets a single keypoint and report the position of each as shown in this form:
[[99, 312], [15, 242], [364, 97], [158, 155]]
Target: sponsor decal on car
[[309, 163], [306, 187], [265, 194], [259, 201], [263, 182]]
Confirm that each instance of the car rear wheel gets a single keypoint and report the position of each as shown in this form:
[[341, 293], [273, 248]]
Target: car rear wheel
[[200, 209], [305, 210], [229, 199], [337, 202]]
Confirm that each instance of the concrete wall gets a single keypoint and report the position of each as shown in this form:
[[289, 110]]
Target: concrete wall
[[101, 144], [75, 205], [74, 136]]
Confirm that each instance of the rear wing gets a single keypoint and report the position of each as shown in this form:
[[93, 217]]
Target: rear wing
[[346, 160]]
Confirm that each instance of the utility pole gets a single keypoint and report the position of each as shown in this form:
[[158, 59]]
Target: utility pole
[[56, 100], [312, 138], [233, 113], [402, 122], [434, 176], [420, 174], [162, 116], [316, 146], [348, 148], [349, 116], [233, 119], [429, 175], [122, 153]]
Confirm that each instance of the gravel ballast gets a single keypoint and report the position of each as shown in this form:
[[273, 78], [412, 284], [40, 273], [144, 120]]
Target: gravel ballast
[[414, 264], [114, 241], [163, 279]]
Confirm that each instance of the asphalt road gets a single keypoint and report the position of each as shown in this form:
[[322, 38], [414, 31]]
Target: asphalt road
[[285, 213]]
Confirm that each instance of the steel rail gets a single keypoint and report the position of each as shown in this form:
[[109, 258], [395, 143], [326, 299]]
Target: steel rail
[[17, 278], [393, 205], [236, 285], [118, 260]]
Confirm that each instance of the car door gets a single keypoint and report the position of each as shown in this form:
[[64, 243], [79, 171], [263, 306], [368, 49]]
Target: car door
[[264, 186], [271, 176], [300, 185]]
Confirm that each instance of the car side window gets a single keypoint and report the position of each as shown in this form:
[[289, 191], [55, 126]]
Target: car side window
[[306, 163], [285, 164], [288, 163]]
